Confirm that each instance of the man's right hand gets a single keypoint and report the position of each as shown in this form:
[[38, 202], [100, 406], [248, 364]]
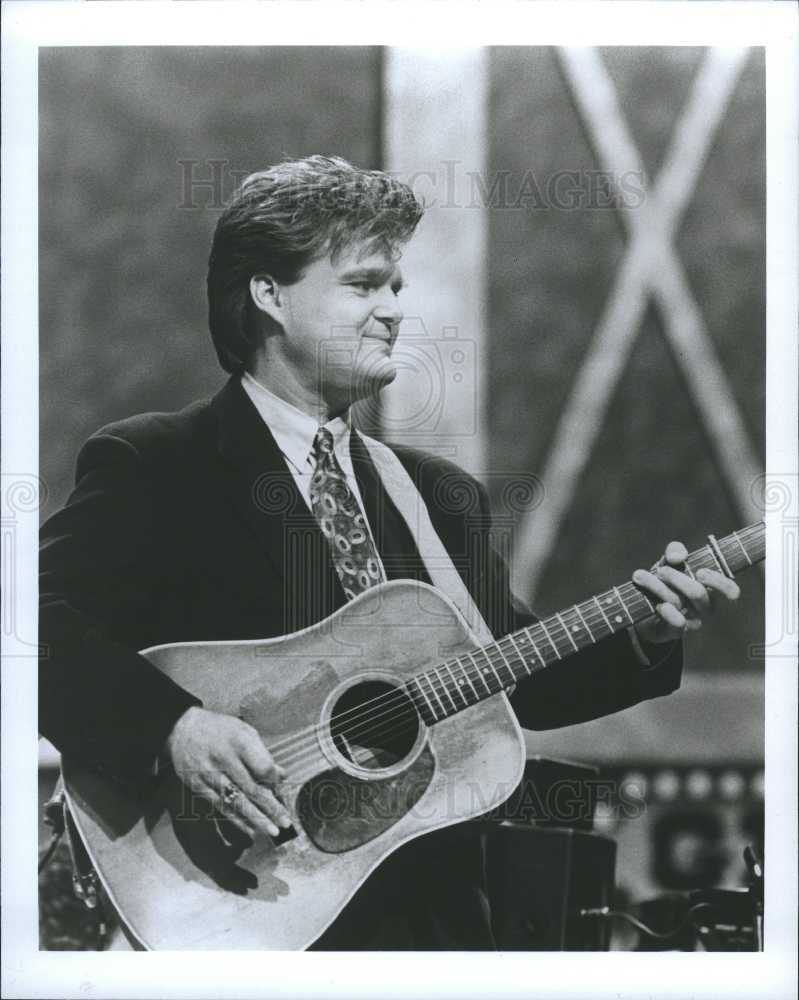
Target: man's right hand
[[225, 761]]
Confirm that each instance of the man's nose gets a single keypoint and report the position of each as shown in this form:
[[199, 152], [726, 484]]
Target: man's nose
[[388, 310]]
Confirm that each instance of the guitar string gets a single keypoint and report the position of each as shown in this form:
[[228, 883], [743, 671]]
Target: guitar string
[[488, 652], [394, 722], [388, 723], [407, 720], [396, 698], [401, 698]]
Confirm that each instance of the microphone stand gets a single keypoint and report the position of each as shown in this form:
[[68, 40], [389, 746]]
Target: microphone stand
[[755, 869]]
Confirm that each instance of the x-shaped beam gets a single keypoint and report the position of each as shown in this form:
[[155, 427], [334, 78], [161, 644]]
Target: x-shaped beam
[[650, 268]]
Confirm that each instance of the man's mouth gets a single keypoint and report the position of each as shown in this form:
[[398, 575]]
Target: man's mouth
[[384, 338]]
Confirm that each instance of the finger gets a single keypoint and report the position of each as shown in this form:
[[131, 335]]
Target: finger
[[719, 582], [689, 589], [261, 797], [259, 762], [232, 802], [212, 792], [269, 803], [656, 587], [672, 616], [240, 810], [267, 800], [676, 553], [243, 808]]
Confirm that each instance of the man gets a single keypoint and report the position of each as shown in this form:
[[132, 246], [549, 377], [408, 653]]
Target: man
[[183, 527]]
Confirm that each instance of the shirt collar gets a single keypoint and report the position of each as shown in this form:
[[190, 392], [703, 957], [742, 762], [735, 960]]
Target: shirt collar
[[293, 430]]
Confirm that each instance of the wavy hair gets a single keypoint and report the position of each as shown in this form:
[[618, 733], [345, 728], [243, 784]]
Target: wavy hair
[[283, 218]]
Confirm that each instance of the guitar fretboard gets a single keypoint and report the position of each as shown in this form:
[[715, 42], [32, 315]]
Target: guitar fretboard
[[454, 685]]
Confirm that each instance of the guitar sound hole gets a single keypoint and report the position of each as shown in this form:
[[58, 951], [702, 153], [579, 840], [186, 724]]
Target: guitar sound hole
[[374, 724]]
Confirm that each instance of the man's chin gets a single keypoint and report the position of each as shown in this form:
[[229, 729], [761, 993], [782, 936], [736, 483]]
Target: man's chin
[[387, 373], [380, 372]]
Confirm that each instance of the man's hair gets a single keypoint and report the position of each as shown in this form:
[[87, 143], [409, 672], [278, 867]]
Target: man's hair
[[283, 218]]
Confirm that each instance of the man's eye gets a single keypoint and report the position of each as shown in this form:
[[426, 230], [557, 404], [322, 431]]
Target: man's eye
[[362, 286]]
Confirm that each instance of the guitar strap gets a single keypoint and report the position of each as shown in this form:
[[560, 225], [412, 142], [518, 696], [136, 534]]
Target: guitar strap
[[411, 505]]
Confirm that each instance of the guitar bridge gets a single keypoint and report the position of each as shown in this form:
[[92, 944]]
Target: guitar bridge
[[289, 833]]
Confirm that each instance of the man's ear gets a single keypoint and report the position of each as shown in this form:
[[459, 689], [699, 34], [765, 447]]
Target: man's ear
[[265, 294]]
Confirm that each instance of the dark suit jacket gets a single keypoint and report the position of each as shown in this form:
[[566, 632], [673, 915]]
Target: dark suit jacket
[[176, 531]]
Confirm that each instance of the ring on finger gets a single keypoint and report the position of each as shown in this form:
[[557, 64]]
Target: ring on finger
[[229, 794]]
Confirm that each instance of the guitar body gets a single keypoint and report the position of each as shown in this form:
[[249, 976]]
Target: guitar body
[[184, 878]]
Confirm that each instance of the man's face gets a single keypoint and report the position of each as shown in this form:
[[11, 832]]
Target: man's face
[[341, 321]]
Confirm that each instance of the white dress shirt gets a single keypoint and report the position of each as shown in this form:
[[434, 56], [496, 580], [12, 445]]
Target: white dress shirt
[[294, 433]]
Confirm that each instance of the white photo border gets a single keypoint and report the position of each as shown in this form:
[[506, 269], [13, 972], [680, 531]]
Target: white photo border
[[27, 972]]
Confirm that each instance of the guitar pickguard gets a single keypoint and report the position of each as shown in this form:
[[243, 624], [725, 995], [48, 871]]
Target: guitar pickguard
[[340, 812]]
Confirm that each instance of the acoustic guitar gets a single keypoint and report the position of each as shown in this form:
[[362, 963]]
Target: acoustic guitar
[[391, 721]]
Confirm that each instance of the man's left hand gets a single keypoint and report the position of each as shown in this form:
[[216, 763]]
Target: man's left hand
[[682, 602]]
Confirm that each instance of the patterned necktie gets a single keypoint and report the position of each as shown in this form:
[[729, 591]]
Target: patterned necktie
[[342, 523]]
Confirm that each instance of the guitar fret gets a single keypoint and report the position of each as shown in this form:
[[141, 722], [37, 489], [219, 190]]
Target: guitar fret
[[443, 684], [480, 673], [644, 596], [536, 650], [585, 623], [469, 679], [630, 602], [607, 620], [568, 633], [621, 601], [417, 704], [458, 685], [741, 546], [582, 624], [755, 536], [520, 654], [493, 668], [617, 619], [542, 623], [716, 563], [718, 555], [435, 693], [421, 691], [505, 659]]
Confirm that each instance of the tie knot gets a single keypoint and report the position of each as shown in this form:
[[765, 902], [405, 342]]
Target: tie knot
[[323, 442]]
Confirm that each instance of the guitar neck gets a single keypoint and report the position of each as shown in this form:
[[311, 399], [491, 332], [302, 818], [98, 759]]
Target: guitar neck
[[456, 684]]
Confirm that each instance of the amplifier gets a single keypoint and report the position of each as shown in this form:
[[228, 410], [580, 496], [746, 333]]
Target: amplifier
[[538, 881], [552, 792]]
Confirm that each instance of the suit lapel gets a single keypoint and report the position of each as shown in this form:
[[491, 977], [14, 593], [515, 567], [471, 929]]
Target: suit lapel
[[265, 497], [393, 537], [372, 494]]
